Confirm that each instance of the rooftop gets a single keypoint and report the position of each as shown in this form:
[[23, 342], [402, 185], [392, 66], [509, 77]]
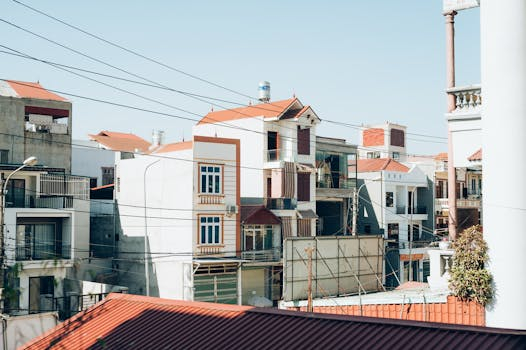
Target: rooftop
[[118, 141], [379, 164], [22, 89], [284, 109], [124, 321], [477, 156]]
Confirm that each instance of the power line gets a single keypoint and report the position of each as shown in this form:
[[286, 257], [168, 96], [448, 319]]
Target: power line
[[135, 53]]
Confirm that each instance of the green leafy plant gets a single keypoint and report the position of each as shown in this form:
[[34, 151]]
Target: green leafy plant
[[470, 281]]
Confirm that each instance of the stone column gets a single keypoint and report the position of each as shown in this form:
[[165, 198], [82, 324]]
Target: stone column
[[450, 82]]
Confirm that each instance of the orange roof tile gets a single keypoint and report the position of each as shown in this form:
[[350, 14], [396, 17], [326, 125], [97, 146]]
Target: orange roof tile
[[33, 90], [172, 147], [476, 156], [266, 110], [124, 321], [441, 156], [373, 137], [117, 141], [378, 164]]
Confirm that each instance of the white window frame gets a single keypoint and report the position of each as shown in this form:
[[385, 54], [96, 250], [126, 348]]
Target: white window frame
[[254, 230], [210, 228], [211, 179]]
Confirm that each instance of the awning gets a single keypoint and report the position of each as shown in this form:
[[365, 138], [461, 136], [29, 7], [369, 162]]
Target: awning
[[305, 168], [307, 214]]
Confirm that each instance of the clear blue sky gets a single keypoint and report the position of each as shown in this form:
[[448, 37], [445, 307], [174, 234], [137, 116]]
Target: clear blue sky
[[360, 62]]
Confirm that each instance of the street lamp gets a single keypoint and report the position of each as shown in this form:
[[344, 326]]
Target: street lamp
[[355, 204], [28, 162]]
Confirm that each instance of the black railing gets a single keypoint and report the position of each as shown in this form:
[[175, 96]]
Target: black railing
[[421, 209], [281, 203], [43, 251], [72, 304], [32, 201]]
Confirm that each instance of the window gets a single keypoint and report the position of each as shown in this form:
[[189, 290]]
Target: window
[[272, 145], [4, 156], [397, 137], [303, 140], [39, 241], [107, 175], [209, 230], [41, 293], [211, 179], [92, 182], [258, 237], [396, 155], [304, 187], [392, 231], [389, 199], [373, 155]]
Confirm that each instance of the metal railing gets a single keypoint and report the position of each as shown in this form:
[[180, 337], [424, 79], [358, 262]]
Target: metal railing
[[42, 251], [343, 182], [64, 185], [274, 254], [420, 209], [281, 203], [33, 201], [279, 154]]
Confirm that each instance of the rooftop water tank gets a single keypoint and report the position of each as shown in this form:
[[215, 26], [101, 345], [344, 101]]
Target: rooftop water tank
[[264, 91]]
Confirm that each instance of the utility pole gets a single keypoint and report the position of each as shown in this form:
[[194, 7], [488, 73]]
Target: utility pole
[[355, 211], [309, 251], [411, 234], [2, 246]]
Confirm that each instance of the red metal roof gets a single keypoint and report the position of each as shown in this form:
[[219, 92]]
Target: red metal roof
[[118, 141], [441, 156], [172, 147], [266, 110], [125, 321], [378, 164], [33, 90], [258, 215]]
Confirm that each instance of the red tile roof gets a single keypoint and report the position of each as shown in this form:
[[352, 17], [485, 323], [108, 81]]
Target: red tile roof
[[172, 147], [118, 141], [124, 321], [378, 164], [441, 156], [476, 156], [33, 90], [373, 137], [266, 110]]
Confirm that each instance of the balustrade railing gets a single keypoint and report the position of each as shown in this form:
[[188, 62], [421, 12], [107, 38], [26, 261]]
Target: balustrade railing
[[467, 98]]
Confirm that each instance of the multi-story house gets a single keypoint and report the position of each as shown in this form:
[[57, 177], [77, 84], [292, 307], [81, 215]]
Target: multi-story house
[[335, 185], [278, 182], [34, 122], [383, 141], [179, 220], [393, 201]]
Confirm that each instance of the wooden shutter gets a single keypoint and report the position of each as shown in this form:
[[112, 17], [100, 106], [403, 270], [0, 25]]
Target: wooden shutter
[[303, 141], [304, 187]]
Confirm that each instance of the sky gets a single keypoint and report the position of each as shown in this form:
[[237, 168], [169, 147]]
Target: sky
[[357, 62]]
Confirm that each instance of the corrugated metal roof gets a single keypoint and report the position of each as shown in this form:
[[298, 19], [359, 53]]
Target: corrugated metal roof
[[123, 142], [24, 89], [258, 215], [134, 322]]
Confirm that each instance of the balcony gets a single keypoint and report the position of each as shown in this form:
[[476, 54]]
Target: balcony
[[34, 201], [468, 203], [269, 255], [42, 251], [275, 155], [468, 99], [343, 188], [211, 199], [280, 203], [420, 209]]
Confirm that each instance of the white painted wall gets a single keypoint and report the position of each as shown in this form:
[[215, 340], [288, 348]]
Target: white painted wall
[[252, 135], [22, 329], [467, 138], [503, 63], [88, 160]]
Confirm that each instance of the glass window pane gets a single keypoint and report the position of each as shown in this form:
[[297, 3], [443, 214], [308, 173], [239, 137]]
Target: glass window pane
[[210, 219], [259, 240], [209, 234], [216, 169], [203, 168], [210, 169], [203, 183], [210, 183], [217, 190], [216, 219], [203, 219], [216, 234], [203, 234]]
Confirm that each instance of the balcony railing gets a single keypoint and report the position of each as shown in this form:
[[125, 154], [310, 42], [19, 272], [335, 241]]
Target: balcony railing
[[262, 255], [467, 98], [468, 203], [32, 201], [281, 203], [42, 251], [64, 185], [272, 155], [420, 209], [343, 182], [211, 199]]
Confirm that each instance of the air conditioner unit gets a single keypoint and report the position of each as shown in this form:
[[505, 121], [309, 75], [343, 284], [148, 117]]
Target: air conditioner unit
[[231, 210]]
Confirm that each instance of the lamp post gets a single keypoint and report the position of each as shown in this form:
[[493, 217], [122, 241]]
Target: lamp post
[[411, 234], [28, 162], [355, 205], [146, 267]]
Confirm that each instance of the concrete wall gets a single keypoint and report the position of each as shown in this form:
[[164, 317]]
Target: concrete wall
[[52, 150], [21, 329], [467, 138], [88, 159]]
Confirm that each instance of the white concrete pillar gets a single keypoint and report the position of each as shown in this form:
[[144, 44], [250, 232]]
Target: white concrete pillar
[[503, 64]]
